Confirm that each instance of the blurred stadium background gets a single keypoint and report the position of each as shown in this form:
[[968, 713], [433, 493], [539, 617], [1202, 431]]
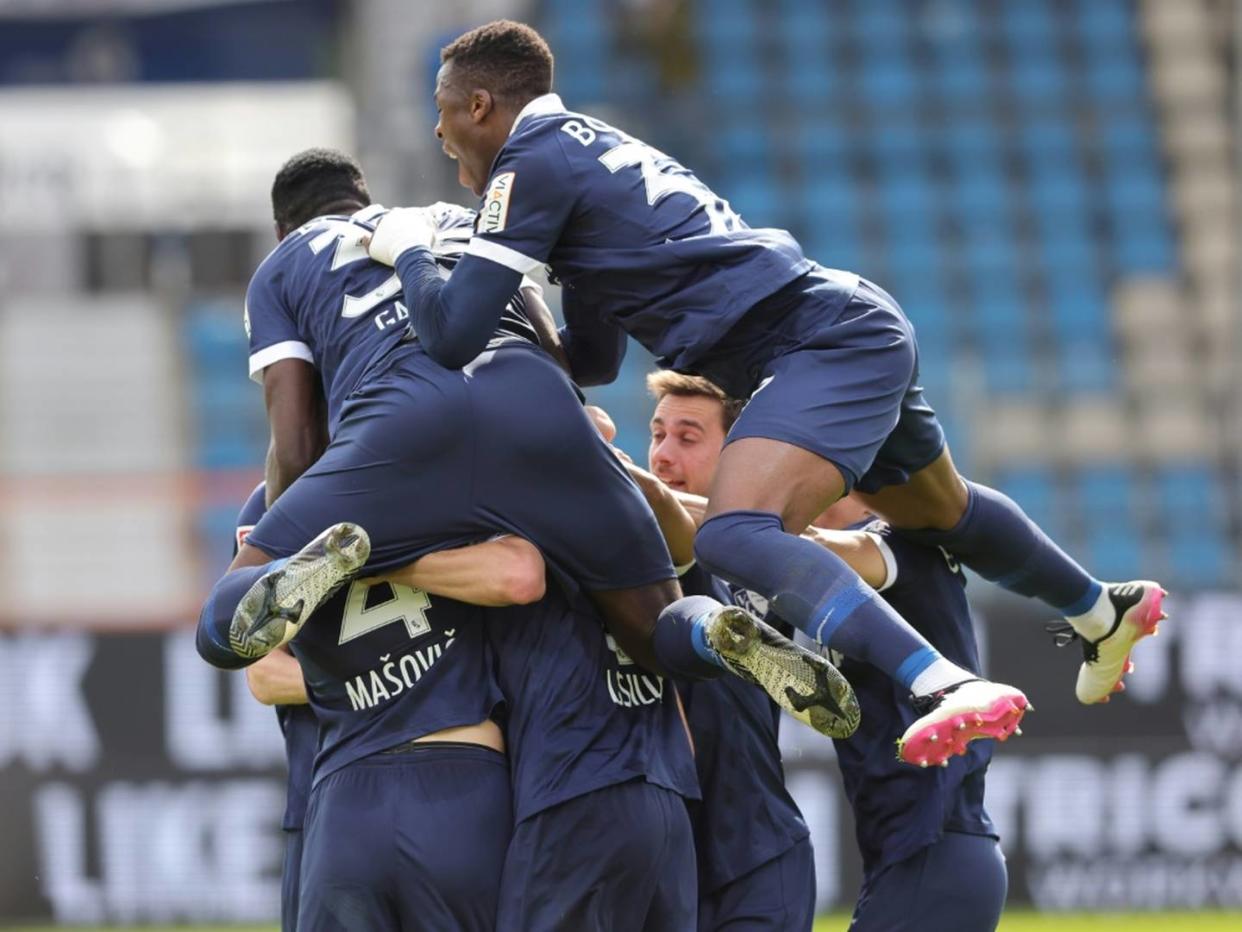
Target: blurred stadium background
[[1050, 188]]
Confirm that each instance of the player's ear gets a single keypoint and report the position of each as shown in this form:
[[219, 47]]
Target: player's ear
[[481, 104]]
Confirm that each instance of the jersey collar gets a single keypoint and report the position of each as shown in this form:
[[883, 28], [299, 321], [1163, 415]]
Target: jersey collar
[[540, 106]]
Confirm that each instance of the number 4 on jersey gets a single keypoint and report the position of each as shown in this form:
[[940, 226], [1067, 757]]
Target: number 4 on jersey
[[405, 604]]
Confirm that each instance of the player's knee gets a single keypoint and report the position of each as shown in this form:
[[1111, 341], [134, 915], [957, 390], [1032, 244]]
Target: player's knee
[[724, 540]]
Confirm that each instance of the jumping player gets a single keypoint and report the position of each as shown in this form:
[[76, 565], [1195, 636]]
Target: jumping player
[[931, 856], [643, 247]]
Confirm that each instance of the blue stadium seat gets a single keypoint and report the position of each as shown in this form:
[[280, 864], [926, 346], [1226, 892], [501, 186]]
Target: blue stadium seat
[[906, 194], [757, 198], [968, 141], [1104, 21], [980, 190], [745, 146], [888, 81], [1035, 488], [1128, 136], [1106, 492], [1191, 495], [822, 146], [1077, 308], [735, 80], [1114, 549], [1036, 77], [1058, 187], [1027, 25], [1115, 77], [1134, 189], [1009, 369], [1086, 366], [1201, 558], [1047, 139], [1143, 243], [960, 80]]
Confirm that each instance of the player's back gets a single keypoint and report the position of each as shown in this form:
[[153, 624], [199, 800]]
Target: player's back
[[580, 715], [900, 809], [630, 232], [318, 296], [385, 664]]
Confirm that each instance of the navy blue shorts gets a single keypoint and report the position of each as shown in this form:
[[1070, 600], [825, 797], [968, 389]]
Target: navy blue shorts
[[289, 874], [777, 896], [842, 384], [956, 885], [619, 859], [412, 841], [426, 457]]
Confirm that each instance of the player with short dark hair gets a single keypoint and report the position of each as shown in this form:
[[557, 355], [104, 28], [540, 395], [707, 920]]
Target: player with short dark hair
[[325, 322], [828, 360]]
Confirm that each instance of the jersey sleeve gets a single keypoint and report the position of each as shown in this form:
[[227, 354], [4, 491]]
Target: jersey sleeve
[[270, 326], [594, 346], [527, 204]]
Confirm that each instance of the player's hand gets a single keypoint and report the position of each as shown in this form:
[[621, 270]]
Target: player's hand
[[603, 423], [400, 229]]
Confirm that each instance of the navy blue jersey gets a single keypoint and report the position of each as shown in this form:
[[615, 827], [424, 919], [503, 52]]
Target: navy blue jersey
[[297, 722], [899, 809], [319, 297], [747, 817], [636, 239], [385, 664], [580, 714]]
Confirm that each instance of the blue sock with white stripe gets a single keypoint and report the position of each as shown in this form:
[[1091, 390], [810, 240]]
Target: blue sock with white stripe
[[813, 589], [997, 540], [680, 639]]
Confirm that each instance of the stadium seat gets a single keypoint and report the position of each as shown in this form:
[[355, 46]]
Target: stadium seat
[[1086, 366], [1200, 558], [1114, 550], [1027, 25], [1036, 490], [1036, 77]]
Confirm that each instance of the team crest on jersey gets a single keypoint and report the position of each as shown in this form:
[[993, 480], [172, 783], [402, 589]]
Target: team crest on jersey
[[495, 209]]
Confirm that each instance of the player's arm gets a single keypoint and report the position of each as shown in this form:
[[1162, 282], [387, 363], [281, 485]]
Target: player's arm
[[676, 523], [296, 415], [540, 318], [524, 211], [595, 347], [277, 679], [506, 570]]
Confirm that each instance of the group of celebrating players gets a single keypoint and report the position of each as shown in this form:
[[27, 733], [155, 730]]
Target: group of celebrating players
[[528, 685]]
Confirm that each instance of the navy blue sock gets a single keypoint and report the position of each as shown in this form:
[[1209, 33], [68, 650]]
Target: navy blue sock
[[813, 589], [998, 541], [680, 641], [212, 637]]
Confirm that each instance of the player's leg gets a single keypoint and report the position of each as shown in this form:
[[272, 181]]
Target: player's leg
[[289, 876], [990, 533], [822, 414], [261, 603], [410, 841], [777, 896], [547, 475], [602, 862], [958, 884]]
